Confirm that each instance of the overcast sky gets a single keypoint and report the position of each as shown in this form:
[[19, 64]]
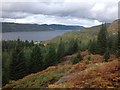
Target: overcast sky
[[68, 12]]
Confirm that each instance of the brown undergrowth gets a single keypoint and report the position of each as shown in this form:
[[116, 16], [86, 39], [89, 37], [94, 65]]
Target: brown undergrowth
[[93, 73]]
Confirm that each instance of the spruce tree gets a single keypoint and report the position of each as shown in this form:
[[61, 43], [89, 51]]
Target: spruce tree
[[110, 43], [50, 58], [5, 67], [26, 43], [73, 47], [32, 43], [114, 45], [102, 40], [36, 59], [60, 50], [106, 55], [89, 44], [92, 47], [17, 64], [118, 42]]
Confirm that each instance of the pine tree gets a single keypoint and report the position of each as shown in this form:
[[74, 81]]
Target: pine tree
[[106, 55], [89, 44], [32, 43], [92, 47], [110, 43], [102, 40], [73, 47], [60, 50], [119, 42], [17, 63], [5, 67], [36, 59], [50, 58], [26, 43], [114, 46]]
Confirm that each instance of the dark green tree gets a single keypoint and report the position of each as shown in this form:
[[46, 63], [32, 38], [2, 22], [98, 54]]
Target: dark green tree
[[92, 47], [106, 55], [60, 50], [73, 47], [74, 60], [102, 40], [114, 45], [26, 43], [118, 39], [50, 58], [36, 59], [110, 43], [27, 53], [17, 65], [77, 58], [32, 43], [5, 68]]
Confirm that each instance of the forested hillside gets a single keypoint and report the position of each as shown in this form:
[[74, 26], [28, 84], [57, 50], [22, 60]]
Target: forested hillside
[[78, 59], [84, 35]]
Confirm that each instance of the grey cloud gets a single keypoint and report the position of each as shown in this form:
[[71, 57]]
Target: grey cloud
[[78, 10], [15, 15]]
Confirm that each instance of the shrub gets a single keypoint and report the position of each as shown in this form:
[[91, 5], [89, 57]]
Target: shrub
[[88, 57], [86, 62], [79, 56], [75, 60]]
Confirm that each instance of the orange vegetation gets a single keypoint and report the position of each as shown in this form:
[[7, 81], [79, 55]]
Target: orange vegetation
[[93, 73], [96, 74]]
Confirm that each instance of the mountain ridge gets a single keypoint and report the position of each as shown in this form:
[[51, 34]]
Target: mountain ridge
[[115, 25], [16, 27]]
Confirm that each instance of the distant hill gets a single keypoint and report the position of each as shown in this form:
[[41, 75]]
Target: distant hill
[[15, 27], [85, 34], [95, 29], [114, 26]]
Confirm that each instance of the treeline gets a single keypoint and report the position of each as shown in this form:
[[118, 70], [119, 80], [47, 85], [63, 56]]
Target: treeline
[[20, 58]]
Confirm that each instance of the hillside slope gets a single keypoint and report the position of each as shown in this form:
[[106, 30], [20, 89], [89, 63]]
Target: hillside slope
[[94, 73], [84, 35], [88, 34], [114, 26]]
